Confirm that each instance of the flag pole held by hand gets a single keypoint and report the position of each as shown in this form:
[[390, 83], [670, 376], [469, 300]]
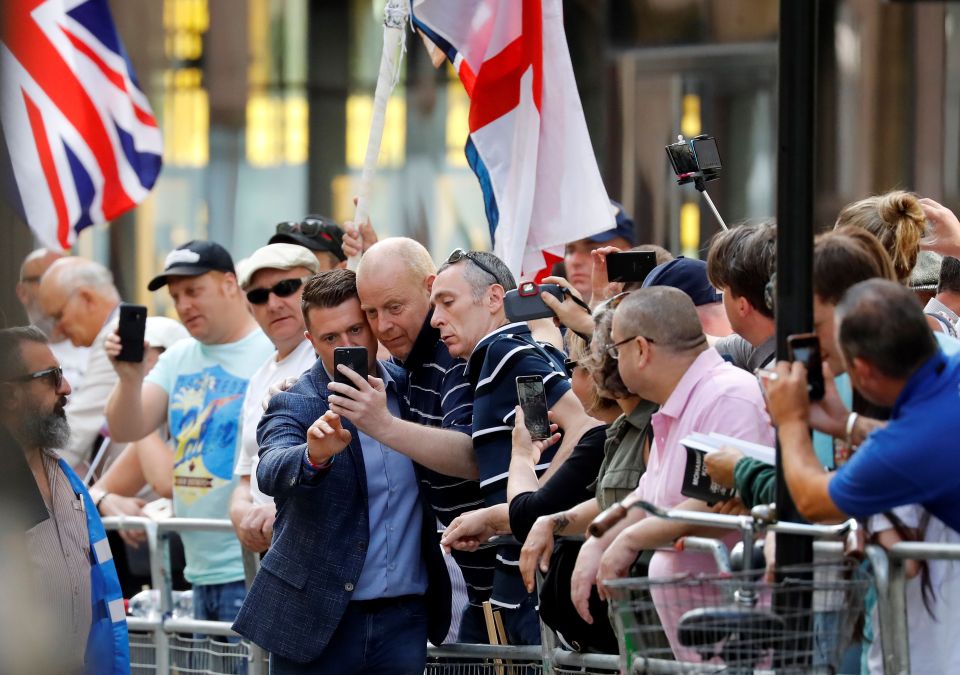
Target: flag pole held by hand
[[394, 21]]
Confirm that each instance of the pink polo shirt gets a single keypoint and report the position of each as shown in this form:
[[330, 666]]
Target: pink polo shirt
[[712, 395]]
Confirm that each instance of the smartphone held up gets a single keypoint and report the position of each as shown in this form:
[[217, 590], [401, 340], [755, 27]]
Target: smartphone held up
[[354, 358], [805, 347], [533, 403], [131, 329]]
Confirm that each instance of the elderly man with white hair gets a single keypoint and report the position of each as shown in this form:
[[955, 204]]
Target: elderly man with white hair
[[80, 298]]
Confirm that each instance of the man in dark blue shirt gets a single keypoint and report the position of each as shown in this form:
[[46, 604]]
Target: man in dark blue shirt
[[468, 311], [893, 361]]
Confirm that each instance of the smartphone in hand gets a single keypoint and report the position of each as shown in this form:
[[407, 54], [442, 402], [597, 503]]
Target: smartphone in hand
[[533, 403], [131, 329], [805, 347], [630, 265], [354, 358]]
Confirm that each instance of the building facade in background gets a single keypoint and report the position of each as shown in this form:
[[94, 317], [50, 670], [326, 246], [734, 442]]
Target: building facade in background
[[265, 108]]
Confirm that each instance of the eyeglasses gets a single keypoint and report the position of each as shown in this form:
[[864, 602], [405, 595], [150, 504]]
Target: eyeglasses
[[281, 289], [309, 227], [55, 375], [459, 254], [613, 351], [570, 364]]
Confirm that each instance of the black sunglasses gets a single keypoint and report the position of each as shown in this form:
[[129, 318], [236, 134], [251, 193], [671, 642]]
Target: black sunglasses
[[309, 227], [459, 254], [55, 375], [281, 289], [570, 364]]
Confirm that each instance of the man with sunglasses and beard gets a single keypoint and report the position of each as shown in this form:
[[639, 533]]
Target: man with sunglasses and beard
[[273, 279], [72, 571], [198, 386]]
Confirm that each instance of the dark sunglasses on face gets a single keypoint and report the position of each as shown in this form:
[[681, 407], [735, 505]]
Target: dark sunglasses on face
[[459, 254], [281, 289], [55, 375], [570, 364]]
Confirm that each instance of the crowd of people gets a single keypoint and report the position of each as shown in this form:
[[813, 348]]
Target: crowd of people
[[372, 497]]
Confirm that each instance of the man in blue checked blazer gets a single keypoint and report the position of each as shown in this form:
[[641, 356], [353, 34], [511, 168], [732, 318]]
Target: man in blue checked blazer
[[354, 581]]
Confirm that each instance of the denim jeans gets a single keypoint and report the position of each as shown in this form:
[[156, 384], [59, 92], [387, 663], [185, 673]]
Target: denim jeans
[[218, 602], [378, 640]]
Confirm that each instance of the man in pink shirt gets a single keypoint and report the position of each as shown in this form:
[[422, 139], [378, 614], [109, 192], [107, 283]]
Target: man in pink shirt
[[663, 357]]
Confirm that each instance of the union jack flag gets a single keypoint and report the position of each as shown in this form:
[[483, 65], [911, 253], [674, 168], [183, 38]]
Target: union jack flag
[[83, 144]]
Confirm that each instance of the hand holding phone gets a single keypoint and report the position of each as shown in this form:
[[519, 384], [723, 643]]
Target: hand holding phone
[[805, 347], [131, 329]]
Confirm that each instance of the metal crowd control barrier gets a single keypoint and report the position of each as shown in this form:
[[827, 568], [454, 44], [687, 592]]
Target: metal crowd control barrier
[[891, 580], [168, 644]]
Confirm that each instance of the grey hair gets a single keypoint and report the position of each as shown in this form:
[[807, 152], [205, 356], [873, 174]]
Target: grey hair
[[11, 361], [78, 273], [479, 279]]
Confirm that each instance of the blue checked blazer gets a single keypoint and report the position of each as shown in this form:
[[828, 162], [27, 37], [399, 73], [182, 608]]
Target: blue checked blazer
[[321, 533]]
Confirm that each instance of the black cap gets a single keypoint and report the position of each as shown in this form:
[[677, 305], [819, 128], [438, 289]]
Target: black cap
[[193, 259], [318, 233]]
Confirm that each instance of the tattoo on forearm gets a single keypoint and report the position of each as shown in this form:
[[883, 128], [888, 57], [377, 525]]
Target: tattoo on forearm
[[560, 522]]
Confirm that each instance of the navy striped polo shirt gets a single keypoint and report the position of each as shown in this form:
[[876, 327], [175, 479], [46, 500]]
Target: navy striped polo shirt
[[439, 395], [493, 368]]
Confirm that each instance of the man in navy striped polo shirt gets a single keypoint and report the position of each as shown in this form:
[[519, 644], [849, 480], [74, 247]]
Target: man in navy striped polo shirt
[[394, 279], [468, 311]]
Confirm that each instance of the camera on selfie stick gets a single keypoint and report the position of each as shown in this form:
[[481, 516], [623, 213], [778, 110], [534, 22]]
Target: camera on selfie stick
[[697, 161]]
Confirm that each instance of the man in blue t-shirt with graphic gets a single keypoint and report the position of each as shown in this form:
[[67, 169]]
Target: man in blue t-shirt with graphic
[[468, 311], [893, 360], [198, 388]]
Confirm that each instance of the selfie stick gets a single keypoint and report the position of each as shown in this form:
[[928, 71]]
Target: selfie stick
[[701, 186], [394, 20]]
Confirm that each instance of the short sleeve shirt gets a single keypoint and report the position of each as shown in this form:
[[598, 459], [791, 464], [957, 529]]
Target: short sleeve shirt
[[493, 368], [912, 459], [272, 371], [205, 386]]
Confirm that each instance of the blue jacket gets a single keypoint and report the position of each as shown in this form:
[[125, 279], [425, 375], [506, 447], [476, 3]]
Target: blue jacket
[[321, 533]]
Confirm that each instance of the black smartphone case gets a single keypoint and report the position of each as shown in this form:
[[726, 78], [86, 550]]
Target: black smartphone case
[[131, 329], [354, 358], [525, 306]]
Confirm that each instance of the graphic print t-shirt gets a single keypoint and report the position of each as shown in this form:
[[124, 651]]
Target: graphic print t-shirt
[[205, 386]]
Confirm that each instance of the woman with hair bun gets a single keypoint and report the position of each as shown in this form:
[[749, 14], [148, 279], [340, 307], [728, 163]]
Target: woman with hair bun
[[895, 218]]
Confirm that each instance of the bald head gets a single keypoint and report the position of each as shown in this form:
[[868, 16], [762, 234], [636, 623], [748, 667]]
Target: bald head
[[663, 314], [79, 296], [37, 262], [394, 281], [399, 254]]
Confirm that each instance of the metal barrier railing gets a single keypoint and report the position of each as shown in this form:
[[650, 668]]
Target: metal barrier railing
[[158, 535], [164, 629], [889, 569]]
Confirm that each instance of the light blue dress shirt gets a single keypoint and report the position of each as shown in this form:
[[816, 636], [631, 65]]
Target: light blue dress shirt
[[394, 565]]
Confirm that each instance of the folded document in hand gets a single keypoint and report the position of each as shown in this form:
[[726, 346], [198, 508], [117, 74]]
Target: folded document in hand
[[696, 482]]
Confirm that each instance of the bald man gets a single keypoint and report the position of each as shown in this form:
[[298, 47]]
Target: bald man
[[73, 359], [79, 297]]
